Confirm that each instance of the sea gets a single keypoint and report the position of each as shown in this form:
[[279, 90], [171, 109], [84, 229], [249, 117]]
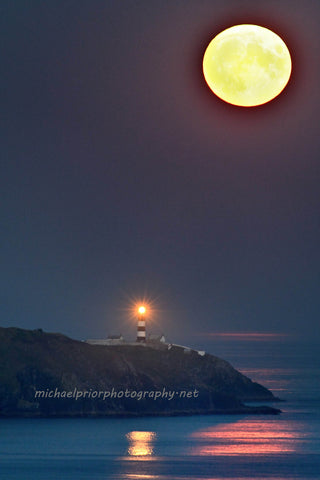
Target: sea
[[237, 447]]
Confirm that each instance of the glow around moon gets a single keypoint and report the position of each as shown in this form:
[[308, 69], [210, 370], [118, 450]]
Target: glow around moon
[[247, 65]]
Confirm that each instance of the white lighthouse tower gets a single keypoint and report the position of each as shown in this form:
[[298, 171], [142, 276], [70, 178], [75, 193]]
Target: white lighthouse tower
[[141, 328]]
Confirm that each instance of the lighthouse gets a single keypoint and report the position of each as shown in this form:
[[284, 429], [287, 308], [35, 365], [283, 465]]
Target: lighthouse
[[141, 328]]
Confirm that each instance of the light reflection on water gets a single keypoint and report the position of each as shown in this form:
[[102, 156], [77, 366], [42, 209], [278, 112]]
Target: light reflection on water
[[247, 437], [141, 443]]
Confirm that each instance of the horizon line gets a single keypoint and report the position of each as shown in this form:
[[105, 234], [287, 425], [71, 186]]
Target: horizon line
[[245, 335]]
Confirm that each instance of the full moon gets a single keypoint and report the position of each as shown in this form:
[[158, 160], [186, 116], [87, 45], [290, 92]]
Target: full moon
[[247, 65]]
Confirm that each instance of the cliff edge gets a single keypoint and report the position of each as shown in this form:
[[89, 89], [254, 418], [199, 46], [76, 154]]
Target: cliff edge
[[48, 374]]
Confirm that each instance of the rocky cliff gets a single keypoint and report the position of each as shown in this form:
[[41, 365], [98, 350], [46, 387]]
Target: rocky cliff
[[46, 374]]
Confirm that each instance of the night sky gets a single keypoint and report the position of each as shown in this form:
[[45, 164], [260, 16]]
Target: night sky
[[123, 177]]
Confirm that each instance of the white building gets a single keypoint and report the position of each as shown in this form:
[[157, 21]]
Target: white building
[[110, 340], [152, 338]]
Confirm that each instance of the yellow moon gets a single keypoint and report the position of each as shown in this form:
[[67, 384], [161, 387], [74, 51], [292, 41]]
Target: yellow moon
[[247, 65]]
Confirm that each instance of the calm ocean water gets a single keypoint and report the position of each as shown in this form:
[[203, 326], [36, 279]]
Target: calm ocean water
[[199, 447]]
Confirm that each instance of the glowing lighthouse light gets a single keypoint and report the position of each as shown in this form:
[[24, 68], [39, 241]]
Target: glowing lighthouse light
[[141, 328]]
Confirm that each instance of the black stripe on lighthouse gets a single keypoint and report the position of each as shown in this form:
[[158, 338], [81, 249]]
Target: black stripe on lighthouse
[[141, 330]]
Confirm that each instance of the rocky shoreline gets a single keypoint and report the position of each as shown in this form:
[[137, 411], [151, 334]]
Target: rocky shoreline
[[51, 375]]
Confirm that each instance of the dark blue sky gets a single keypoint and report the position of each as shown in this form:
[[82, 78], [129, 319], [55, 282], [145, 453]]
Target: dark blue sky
[[123, 176]]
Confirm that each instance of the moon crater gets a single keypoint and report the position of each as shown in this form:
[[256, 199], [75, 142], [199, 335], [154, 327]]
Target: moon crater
[[247, 65]]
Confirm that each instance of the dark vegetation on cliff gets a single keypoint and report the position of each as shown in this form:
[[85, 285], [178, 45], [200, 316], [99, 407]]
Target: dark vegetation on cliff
[[33, 361]]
